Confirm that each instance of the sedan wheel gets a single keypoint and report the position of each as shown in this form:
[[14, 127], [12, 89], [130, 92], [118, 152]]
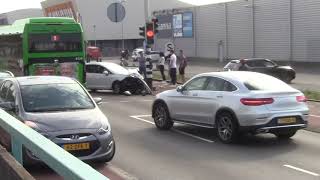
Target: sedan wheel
[[116, 88], [227, 128], [161, 117]]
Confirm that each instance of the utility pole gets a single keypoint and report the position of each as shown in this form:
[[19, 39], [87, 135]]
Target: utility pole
[[95, 38], [146, 10]]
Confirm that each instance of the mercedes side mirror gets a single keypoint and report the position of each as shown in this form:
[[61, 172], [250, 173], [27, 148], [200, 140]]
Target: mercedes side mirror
[[7, 106], [98, 100], [106, 73], [179, 88]]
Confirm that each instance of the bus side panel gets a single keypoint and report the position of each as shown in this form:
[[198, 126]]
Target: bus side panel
[[11, 54]]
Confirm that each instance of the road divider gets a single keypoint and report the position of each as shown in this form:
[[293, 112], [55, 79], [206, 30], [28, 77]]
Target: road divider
[[141, 118]]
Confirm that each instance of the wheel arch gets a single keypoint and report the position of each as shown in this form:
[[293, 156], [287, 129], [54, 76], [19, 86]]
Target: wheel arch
[[228, 110]]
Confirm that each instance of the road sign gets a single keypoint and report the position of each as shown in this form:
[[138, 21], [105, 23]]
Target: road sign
[[168, 47]]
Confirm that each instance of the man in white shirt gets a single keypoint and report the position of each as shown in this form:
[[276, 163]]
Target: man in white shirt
[[173, 67]]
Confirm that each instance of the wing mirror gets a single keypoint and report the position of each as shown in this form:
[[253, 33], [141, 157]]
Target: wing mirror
[[106, 73], [7, 106], [179, 88], [98, 100]]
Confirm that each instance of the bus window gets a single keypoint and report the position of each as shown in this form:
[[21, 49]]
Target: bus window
[[70, 42]]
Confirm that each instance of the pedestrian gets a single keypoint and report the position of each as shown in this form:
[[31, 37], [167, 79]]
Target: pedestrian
[[173, 67], [149, 68], [161, 66], [182, 66], [243, 66], [142, 64]]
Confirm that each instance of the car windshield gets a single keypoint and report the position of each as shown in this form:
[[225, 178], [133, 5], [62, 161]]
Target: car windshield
[[117, 69], [55, 97], [253, 83]]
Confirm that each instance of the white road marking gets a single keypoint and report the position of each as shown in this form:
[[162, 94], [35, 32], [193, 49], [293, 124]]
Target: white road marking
[[124, 101], [139, 117], [191, 135], [147, 100], [301, 170], [314, 116]]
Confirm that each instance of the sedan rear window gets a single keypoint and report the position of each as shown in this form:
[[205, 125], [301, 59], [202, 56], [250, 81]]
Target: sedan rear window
[[265, 83], [55, 97]]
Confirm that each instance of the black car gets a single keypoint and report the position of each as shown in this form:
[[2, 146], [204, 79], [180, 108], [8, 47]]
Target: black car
[[266, 66]]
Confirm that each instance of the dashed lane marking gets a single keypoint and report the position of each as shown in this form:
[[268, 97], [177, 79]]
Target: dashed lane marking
[[301, 170], [140, 118]]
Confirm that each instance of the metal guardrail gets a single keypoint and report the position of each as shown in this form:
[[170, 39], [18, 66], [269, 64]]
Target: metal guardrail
[[62, 162]]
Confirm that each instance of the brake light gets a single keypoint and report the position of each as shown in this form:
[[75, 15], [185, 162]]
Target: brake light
[[301, 99], [256, 101]]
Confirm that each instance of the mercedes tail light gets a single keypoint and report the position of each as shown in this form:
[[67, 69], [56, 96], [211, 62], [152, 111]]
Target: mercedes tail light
[[301, 99], [256, 101]]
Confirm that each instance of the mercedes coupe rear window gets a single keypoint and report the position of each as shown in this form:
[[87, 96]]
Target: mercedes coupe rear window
[[265, 83]]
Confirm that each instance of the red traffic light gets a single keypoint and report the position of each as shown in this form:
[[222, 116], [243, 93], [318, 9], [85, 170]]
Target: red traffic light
[[150, 33]]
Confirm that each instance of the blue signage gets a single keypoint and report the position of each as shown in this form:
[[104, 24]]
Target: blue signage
[[187, 24]]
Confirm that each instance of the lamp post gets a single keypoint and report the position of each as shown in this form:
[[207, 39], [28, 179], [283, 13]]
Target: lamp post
[[122, 14], [94, 33]]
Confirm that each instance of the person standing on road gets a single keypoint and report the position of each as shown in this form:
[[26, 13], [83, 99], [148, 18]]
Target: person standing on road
[[149, 68], [142, 64], [182, 66], [161, 66], [173, 67]]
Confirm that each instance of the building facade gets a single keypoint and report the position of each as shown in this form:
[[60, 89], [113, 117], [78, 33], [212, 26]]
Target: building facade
[[10, 17], [99, 19], [283, 30]]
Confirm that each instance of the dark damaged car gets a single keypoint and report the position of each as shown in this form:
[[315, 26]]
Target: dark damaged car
[[265, 66], [111, 76]]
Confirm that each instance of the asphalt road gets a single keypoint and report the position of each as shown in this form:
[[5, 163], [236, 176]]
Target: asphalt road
[[192, 153], [195, 153]]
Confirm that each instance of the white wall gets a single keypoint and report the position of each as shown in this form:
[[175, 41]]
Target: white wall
[[210, 29], [272, 25], [306, 30]]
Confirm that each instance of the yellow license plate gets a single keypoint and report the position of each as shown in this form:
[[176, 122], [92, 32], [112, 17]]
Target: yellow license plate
[[288, 120], [75, 147]]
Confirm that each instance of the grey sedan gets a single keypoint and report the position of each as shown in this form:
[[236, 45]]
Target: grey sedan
[[234, 102], [62, 110]]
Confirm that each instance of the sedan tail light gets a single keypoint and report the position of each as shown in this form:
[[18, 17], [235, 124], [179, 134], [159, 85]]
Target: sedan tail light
[[301, 99], [256, 101]]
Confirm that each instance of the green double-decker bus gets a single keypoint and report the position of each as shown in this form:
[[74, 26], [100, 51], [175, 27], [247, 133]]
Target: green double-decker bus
[[43, 46]]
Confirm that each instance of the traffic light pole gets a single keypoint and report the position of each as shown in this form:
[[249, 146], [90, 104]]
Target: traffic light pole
[[146, 10]]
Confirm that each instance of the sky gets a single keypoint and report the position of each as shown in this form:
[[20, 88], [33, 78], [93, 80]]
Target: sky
[[10, 5], [204, 2]]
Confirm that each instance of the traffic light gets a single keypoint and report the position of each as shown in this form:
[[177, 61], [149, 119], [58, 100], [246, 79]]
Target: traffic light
[[142, 31], [155, 25], [150, 33]]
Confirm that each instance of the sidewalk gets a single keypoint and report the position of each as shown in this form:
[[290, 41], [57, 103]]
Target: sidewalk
[[314, 118]]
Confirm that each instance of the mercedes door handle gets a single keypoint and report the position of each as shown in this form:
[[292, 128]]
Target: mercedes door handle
[[195, 94], [219, 96]]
